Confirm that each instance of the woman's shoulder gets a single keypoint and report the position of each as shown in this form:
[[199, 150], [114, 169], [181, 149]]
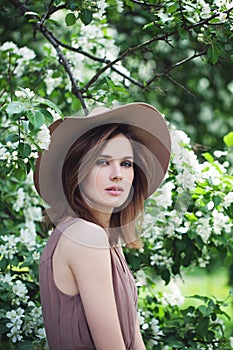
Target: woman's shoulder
[[84, 233]]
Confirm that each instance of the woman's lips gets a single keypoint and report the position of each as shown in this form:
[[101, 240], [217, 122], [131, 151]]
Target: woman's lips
[[114, 190]]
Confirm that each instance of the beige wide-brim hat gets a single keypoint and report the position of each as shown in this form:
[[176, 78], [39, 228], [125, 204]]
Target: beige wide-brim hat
[[146, 122]]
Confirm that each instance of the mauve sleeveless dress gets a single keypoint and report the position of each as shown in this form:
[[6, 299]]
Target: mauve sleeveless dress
[[64, 316]]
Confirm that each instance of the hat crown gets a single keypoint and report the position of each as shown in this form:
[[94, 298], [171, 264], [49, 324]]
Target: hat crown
[[98, 110]]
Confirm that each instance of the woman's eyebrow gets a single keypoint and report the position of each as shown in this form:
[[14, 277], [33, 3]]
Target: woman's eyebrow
[[109, 157]]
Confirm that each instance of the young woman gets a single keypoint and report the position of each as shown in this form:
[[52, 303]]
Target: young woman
[[95, 177]]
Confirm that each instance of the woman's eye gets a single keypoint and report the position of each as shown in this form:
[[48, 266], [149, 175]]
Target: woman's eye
[[102, 162], [127, 163]]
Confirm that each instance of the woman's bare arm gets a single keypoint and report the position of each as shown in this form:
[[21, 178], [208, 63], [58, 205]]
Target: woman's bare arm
[[86, 249], [138, 343]]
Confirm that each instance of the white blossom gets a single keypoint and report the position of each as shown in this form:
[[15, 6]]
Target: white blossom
[[20, 290], [102, 5], [18, 204], [26, 56], [41, 333], [185, 160], [8, 45], [25, 93], [157, 332], [174, 297], [163, 196], [15, 334], [26, 53], [51, 82], [120, 6], [15, 317], [28, 235], [28, 327], [6, 278], [44, 137], [9, 248], [54, 114], [204, 229], [220, 222], [141, 278], [231, 342], [186, 180], [36, 256], [4, 154], [205, 7], [32, 214], [228, 200]]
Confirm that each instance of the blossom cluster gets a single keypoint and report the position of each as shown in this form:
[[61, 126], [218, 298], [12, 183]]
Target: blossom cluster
[[167, 212]]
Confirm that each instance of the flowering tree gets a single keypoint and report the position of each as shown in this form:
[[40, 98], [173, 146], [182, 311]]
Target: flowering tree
[[80, 56]]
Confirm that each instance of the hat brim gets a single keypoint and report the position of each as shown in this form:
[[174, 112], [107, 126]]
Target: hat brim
[[146, 122]]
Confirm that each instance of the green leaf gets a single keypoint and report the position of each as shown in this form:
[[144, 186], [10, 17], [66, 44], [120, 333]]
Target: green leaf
[[31, 13], [24, 345], [75, 5], [208, 157], [148, 25], [191, 217], [210, 336], [3, 328], [3, 263], [86, 16], [24, 150], [183, 34], [70, 19], [172, 8], [165, 274], [213, 54], [20, 172], [12, 138], [15, 108], [205, 311], [47, 115], [36, 118], [228, 139], [202, 326], [217, 200], [44, 102]]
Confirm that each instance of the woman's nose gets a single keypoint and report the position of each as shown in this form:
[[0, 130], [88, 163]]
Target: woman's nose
[[116, 174]]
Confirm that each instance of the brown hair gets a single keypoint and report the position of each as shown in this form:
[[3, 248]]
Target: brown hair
[[122, 222]]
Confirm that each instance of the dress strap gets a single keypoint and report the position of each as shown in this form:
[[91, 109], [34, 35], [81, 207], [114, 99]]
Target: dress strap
[[64, 224]]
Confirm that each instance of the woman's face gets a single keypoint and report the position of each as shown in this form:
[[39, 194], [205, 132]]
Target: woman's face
[[109, 181]]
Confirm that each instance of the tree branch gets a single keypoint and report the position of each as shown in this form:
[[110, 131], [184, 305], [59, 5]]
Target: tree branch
[[144, 45], [62, 59], [146, 4], [177, 64], [122, 56], [47, 13], [57, 44], [180, 85]]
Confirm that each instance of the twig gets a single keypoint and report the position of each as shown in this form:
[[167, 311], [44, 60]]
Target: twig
[[47, 13], [145, 44], [111, 64], [177, 64], [79, 50], [98, 59], [62, 59], [122, 56], [181, 12], [180, 85], [146, 4], [10, 76]]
